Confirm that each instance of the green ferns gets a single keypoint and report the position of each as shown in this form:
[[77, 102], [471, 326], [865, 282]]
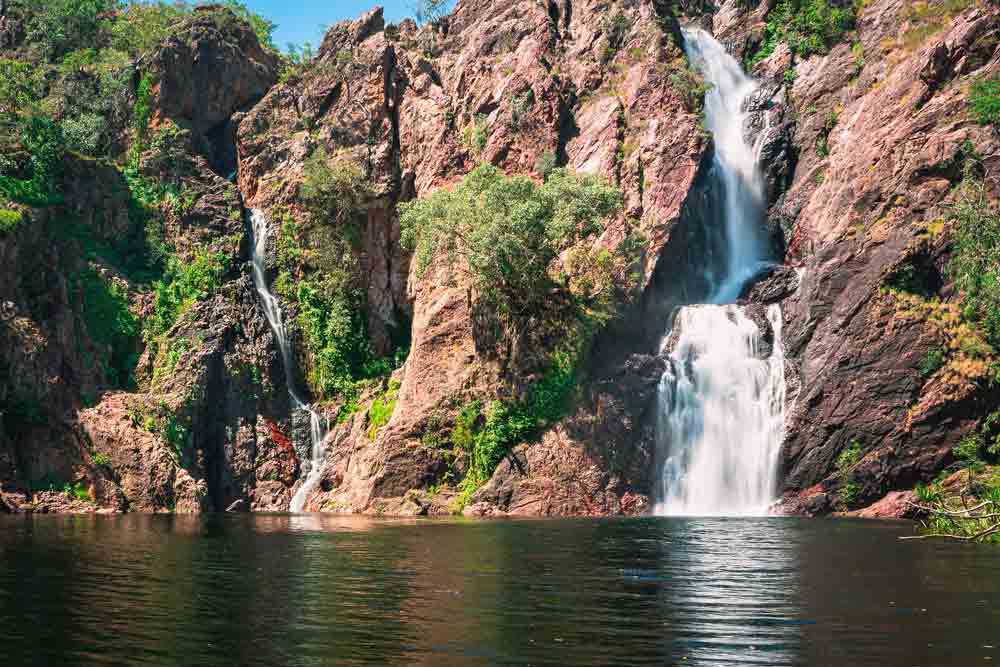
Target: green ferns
[[807, 26]]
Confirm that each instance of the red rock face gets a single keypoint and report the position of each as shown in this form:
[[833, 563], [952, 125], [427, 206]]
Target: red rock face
[[508, 82], [899, 127]]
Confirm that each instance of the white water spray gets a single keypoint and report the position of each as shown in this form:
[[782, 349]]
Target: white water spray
[[722, 414], [272, 311], [721, 420]]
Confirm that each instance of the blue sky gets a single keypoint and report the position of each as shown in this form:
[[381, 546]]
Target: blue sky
[[303, 20]]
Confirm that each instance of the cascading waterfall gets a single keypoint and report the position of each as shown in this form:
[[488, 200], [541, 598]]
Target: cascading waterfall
[[721, 418], [272, 311]]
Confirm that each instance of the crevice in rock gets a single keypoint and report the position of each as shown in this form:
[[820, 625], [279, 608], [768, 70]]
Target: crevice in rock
[[568, 129]]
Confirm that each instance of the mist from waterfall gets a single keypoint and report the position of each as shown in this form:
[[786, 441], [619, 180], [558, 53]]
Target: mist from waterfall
[[313, 467], [721, 401]]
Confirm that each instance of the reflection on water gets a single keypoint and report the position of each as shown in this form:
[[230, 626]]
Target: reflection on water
[[314, 589]]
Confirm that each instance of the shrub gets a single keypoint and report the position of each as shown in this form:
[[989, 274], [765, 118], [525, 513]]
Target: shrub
[[77, 491], [984, 101], [975, 261], [932, 361], [808, 26], [142, 26], [100, 460], [381, 409], [476, 135], [431, 11], [546, 164], [183, 284], [110, 324], [56, 27], [84, 133], [847, 460], [9, 221], [503, 234]]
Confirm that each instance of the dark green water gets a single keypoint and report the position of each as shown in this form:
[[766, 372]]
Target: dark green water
[[282, 590]]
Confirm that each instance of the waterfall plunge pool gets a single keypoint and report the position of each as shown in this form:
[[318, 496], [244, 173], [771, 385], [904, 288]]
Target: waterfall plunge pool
[[315, 589]]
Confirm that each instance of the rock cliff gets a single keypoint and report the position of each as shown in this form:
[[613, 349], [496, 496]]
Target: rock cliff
[[864, 145]]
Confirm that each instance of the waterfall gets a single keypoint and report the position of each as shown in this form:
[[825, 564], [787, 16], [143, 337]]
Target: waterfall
[[272, 311], [721, 400], [722, 414]]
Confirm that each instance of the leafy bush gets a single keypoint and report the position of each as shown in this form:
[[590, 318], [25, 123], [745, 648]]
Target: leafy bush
[[111, 324], [84, 133], [808, 26], [56, 27], [476, 135], [100, 460], [975, 261], [546, 164], [183, 284], [431, 11], [932, 361], [846, 462], [381, 409], [77, 491], [984, 101], [9, 220], [142, 26], [503, 234]]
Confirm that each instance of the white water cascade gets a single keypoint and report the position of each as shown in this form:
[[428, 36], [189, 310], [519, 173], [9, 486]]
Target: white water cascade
[[272, 310], [721, 416]]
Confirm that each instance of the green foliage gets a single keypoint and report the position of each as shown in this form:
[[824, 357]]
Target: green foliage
[[335, 333], [846, 462], [520, 109], [546, 163], [334, 193], [57, 27], [9, 221], [381, 409], [100, 460], [932, 361], [984, 101], [489, 436], [975, 261], [261, 27], [19, 86], [688, 83], [77, 491], [808, 26], [183, 284], [503, 233], [143, 26], [111, 324], [84, 133], [615, 28], [476, 135]]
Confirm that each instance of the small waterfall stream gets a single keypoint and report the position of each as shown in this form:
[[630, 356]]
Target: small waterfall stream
[[721, 415], [272, 311]]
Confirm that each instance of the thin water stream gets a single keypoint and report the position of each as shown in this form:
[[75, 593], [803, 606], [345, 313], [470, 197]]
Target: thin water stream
[[721, 418], [312, 468]]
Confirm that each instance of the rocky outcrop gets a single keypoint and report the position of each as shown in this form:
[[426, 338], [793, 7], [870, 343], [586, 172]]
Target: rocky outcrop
[[504, 83], [881, 135]]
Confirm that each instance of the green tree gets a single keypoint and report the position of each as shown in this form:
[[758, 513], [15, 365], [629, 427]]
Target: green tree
[[504, 233], [56, 27]]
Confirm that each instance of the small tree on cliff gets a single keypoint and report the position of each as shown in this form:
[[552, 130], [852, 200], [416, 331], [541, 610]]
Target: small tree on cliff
[[504, 235]]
